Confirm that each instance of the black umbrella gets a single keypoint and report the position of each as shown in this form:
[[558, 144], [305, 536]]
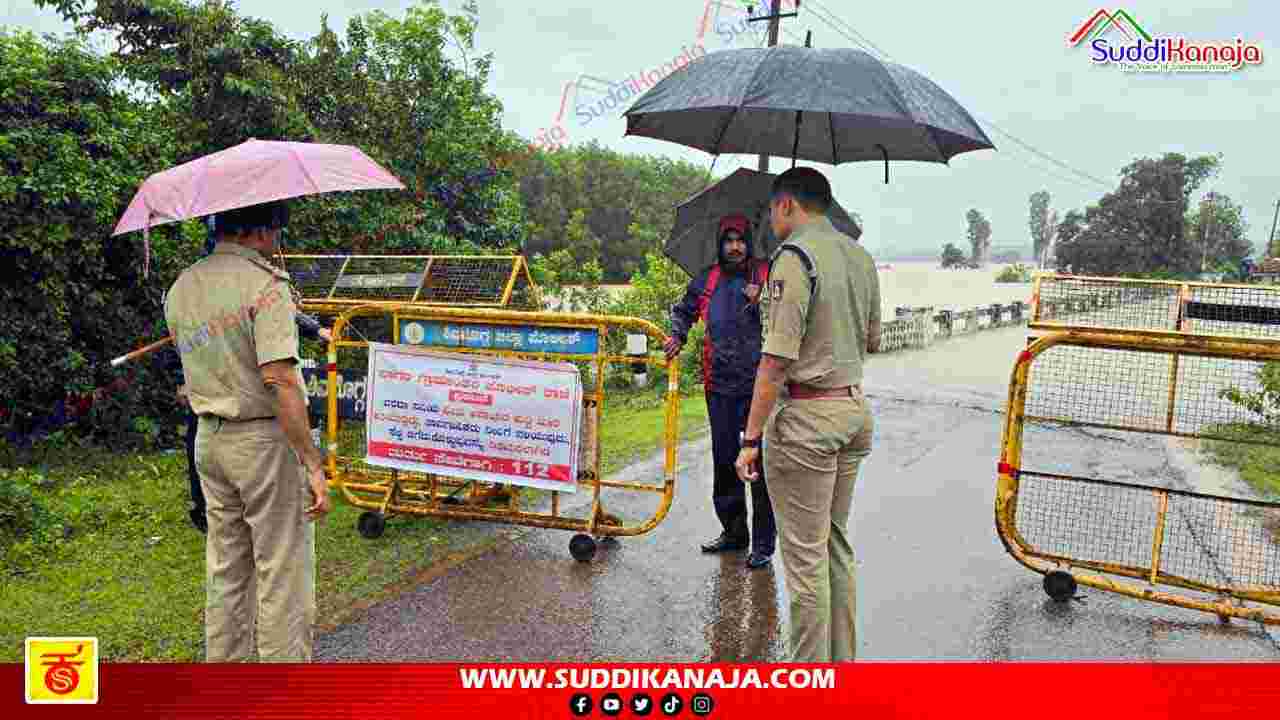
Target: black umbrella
[[823, 105], [694, 243]]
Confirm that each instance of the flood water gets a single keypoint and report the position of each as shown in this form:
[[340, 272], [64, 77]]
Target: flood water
[[926, 284]]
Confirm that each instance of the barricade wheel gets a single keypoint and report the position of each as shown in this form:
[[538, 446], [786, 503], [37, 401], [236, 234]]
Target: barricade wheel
[[582, 547], [1060, 585], [371, 524]]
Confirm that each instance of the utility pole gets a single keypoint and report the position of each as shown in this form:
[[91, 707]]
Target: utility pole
[[774, 17], [1271, 239], [1211, 205]]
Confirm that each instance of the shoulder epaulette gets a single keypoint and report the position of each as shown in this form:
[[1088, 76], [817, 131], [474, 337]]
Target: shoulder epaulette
[[275, 271], [805, 260]]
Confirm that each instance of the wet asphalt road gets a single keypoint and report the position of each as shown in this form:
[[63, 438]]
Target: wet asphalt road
[[934, 581]]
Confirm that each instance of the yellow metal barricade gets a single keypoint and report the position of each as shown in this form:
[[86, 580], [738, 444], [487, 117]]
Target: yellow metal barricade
[[384, 492], [329, 284], [1106, 365], [1065, 302]]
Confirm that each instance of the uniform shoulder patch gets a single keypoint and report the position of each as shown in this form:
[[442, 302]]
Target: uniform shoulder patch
[[775, 289]]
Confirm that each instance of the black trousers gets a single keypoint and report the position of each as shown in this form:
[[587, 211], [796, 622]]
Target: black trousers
[[197, 493], [728, 417]]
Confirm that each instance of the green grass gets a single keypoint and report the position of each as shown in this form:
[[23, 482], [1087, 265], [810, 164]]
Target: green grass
[[1258, 465], [123, 563], [631, 426]]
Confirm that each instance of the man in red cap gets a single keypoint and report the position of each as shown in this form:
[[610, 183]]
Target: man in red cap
[[724, 297]]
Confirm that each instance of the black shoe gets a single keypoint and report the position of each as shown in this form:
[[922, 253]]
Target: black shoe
[[758, 560], [199, 520], [724, 543]]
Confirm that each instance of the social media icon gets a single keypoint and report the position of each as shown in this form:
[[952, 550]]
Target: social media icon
[[611, 704], [641, 704], [672, 704], [580, 705], [702, 704]]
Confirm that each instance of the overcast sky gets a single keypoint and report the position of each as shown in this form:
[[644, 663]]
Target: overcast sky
[[1007, 62]]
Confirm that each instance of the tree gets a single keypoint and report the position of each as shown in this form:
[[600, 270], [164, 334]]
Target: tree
[[952, 256], [1141, 227], [626, 202], [73, 149], [1218, 230], [1045, 256], [1039, 223], [979, 234], [583, 244], [390, 89], [224, 78]]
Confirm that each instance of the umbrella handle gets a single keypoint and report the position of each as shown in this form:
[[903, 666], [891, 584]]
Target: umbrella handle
[[795, 144], [885, 152], [135, 354]]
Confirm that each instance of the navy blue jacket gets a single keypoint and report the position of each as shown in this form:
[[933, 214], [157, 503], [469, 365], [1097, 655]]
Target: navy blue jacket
[[731, 345]]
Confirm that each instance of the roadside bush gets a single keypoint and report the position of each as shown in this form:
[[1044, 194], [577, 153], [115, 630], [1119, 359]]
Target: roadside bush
[[654, 289], [1015, 273], [658, 286], [1265, 402], [73, 149], [574, 286]]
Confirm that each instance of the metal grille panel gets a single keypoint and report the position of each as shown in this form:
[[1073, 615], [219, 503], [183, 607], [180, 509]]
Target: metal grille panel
[[1130, 389], [1249, 312], [480, 281], [1096, 523], [1214, 541], [468, 281], [1222, 542], [1223, 310], [1104, 304]]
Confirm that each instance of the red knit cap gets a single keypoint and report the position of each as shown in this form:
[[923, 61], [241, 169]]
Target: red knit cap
[[735, 222]]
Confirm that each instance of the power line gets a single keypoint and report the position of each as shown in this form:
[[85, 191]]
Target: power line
[[832, 20], [838, 25], [1074, 182], [1029, 148]]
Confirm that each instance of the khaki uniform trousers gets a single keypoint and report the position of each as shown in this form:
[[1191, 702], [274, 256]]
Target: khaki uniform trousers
[[260, 549], [812, 451]]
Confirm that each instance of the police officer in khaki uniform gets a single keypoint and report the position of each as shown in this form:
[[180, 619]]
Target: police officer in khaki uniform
[[233, 319], [822, 318]]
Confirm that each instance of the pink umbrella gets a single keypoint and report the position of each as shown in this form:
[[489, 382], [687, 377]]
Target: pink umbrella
[[253, 172]]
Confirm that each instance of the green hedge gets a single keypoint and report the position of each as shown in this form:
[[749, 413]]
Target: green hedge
[[73, 149]]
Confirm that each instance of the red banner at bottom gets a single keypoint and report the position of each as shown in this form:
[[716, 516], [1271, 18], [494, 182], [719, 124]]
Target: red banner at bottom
[[859, 690]]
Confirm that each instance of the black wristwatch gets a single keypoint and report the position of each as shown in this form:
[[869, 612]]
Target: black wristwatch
[[745, 442]]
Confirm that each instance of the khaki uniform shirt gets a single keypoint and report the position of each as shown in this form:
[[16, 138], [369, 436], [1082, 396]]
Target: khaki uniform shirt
[[231, 313], [825, 336]]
